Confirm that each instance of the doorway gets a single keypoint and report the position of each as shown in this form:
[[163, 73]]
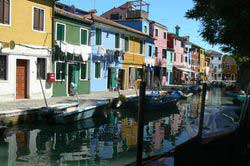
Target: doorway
[[112, 83], [121, 79], [72, 77], [21, 79]]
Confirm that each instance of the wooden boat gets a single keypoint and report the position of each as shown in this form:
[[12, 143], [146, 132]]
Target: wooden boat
[[71, 112], [152, 103]]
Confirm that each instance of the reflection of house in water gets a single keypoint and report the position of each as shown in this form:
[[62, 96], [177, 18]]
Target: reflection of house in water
[[129, 131], [158, 135], [176, 120]]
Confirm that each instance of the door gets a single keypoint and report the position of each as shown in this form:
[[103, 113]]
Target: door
[[72, 77], [121, 79], [21, 79], [112, 78]]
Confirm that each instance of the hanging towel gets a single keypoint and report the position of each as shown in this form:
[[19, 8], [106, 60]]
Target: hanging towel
[[101, 51], [85, 52]]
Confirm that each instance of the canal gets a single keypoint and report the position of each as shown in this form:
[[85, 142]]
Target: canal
[[108, 141]]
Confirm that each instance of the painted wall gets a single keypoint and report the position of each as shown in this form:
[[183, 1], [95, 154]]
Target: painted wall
[[137, 24], [160, 42], [216, 67], [108, 43], [60, 88], [229, 68], [170, 64], [20, 28], [133, 58]]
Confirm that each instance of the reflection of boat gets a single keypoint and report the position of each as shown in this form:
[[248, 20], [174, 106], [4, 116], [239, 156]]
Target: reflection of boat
[[179, 95], [70, 113], [152, 103]]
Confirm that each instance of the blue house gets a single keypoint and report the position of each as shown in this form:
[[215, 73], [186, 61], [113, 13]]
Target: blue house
[[106, 71]]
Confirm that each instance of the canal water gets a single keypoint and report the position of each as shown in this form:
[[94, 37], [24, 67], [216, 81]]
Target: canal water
[[108, 141]]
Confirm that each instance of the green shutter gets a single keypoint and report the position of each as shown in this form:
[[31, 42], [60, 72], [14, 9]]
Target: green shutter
[[117, 40], [98, 36], [60, 32], [126, 44], [84, 35], [83, 71], [97, 70], [141, 47]]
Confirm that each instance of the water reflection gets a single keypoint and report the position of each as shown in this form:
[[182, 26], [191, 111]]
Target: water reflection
[[110, 141]]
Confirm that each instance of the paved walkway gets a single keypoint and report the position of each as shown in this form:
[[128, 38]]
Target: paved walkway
[[88, 99]]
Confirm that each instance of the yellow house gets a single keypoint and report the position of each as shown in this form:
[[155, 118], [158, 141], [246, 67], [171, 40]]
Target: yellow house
[[202, 63], [28, 25], [229, 68], [134, 59]]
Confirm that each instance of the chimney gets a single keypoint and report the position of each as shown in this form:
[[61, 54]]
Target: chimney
[[93, 11], [177, 30]]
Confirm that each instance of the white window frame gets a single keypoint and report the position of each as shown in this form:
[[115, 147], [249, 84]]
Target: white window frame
[[44, 19], [10, 17], [65, 29], [7, 68], [81, 36], [87, 70], [100, 71], [44, 66], [55, 71]]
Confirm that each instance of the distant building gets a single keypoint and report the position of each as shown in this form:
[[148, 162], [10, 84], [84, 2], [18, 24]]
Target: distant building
[[215, 65], [229, 68]]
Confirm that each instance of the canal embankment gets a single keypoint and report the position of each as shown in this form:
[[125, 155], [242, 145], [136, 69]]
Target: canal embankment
[[21, 111]]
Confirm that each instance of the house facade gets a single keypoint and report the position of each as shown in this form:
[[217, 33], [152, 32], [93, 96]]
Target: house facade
[[229, 68], [202, 59], [25, 49], [71, 59], [159, 33], [215, 65], [170, 65]]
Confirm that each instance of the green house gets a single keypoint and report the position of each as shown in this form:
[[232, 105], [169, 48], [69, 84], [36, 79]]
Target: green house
[[71, 63]]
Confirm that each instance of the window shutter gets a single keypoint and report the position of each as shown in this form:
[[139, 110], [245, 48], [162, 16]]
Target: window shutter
[[36, 19], [83, 71], [96, 70], [98, 36], [6, 11], [41, 20], [60, 32], [1, 11], [117, 40], [84, 37]]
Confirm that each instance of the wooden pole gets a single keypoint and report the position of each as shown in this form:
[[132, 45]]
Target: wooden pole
[[140, 123], [204, 90]]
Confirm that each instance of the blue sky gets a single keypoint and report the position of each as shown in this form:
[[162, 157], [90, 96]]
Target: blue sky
[[167, 12]]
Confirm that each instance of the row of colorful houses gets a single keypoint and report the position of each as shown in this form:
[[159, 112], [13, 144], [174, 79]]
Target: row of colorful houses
[[49, 47]]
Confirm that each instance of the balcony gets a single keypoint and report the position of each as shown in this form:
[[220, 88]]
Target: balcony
[[136, 14]]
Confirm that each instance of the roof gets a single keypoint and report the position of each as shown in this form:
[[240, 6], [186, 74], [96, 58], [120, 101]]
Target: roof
[[72, 16], [159, 24], [115, 24]]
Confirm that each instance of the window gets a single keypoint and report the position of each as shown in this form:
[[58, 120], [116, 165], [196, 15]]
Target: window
[[115, 16], [60, 32], [138, 73], [97, 70], [3, 67], [145, 29], [156, 32], [219, 58], [84, 71], [150, 51], [4, 11], [164, 53], [126, 44], [38, 19], [60, 71], [156, 51], [212, 58], [84, 37], [41, 68], [117, 40], [181, 58], [175, 57], [141, 47], [165, 35], [186, 59], [98, 38], [171, 57], [219, 66]]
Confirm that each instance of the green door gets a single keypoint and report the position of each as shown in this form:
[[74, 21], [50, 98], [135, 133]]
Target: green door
[[112, 82], [73, 74]]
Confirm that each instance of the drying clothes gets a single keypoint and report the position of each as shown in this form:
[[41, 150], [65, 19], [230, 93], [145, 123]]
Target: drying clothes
[[85, 52], [101, 51]]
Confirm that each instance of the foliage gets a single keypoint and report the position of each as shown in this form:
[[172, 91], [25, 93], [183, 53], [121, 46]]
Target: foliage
[[224, 22]]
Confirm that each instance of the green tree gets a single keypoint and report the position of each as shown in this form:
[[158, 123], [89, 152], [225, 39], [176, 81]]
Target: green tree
[[224, 22]]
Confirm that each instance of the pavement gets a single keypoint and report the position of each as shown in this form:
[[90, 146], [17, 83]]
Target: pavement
[[85, 100]]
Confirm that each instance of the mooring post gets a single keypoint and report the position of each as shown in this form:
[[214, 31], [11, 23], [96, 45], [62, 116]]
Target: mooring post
[[140, 123], [203, 100]]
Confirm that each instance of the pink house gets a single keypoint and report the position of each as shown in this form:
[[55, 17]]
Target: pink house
[[159, 32]]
